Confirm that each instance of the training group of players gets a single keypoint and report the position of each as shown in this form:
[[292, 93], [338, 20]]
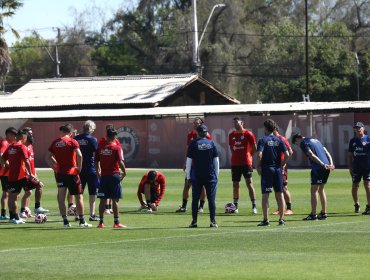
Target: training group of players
[[80, 160]]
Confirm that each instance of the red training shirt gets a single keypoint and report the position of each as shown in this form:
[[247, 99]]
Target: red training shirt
[[63, 150], [241, 147], [159, 186], [192, 135], [16, 154], [287, 144], [3, 146], [109, 156]]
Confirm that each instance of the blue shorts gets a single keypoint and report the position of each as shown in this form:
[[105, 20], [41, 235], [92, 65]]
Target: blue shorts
[[319, 176], [360, 173], [92, 182], [110, 187], [272, 178]]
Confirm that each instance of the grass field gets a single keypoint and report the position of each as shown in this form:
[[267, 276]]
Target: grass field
[[160, 246]]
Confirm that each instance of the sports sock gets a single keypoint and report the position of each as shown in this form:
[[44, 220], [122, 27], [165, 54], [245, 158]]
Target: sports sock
[[148, 203], [184, 203], [82, 219], [236, 200], [201, 204], [65, 221], [16, 216], [101, 220], [289, 206], [3, 212], [253, 203], [37, 205], [116, 220], [11, 215]]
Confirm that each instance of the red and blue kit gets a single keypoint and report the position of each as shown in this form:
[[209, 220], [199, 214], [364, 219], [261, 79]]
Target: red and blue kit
[[241, 147], [157, 188], [16, 154], [63, 150], [109, 156]]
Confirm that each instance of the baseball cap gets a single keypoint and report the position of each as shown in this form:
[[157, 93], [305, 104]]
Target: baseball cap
[[358, 124], [202, 129]]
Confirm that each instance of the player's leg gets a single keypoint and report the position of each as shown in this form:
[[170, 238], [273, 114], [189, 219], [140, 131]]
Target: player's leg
[[211, 190], [322, 194], [367, 191], [92, 184], [61, 197], [116, 194], [185, 196], [148, 197], [202, 200], [38, 195], [25, 201], [314, 198], [252, 193], [4, 197], [236, 175], [196, 190], [278, 186], [101, 212]]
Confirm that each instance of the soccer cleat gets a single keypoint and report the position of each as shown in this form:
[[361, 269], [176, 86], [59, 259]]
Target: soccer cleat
[[17, 222], [322, 216], [23, 215], [213, 224], [85, 225], [367, 211], [264, 223], [77, 218], [149, 210], [357, 208], [193, 225], [101, 226], [181, 210], [281, 222], [41, 210], [236, 211], [200, 210], [276, 212], [288, 212], [94, 218], [254, 211], [3, 218], [111, 211], [67, 225], [119, 226], [310, 217]]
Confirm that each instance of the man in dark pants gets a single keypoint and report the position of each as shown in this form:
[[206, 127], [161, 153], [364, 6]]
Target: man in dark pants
[[202, 168]]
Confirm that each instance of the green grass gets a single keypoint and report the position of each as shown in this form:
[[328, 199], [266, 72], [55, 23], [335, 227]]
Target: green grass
[[160, 246]]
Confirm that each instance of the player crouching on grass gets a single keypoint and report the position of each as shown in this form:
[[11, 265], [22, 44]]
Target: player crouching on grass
[[153, 186], [109, 161]]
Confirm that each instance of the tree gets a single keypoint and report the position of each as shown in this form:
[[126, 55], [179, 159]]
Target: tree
[[8, 8]]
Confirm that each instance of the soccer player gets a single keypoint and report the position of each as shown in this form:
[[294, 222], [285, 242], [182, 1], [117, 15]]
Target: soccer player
[[10, 134], [153, 186], [321, 164], [287, 195], [358, 154], [192, 135], [108, 162], [269, 166], [65, 158], [103, 141], [88, 146], [202, 168], [19, 167], [32, 182], [242, 145]]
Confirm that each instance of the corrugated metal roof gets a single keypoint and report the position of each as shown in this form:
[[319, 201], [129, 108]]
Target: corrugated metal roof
[[95, 90], [298, 107]]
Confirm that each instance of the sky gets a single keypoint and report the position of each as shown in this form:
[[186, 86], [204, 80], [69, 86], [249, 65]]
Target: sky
[[45, 15]]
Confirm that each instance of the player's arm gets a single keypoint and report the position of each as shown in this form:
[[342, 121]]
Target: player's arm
[[258, 162], [349, 161], [331, 164], [97, 167], [188, 168], [162, 185], [28, 166], [78, 160], [122, 166], [50, 161], [286, 158]]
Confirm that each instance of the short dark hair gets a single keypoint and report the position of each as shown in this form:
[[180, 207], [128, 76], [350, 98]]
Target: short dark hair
[[198, 119], [21, 133], [67, 128], [11, 130], [109, 126], [295, 137], [151, 175], [111, 132], [269, 125]]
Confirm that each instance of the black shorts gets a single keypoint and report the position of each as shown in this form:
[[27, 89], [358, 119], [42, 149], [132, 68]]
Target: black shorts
[[32, 183], [72, 182], [238, 171], [17, 186], [4, 183], [359, 174], [319, 176]]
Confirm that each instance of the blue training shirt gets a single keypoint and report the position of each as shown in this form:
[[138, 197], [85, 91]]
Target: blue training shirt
[[317, 149], [88, 147], [360, 152], [271, 147], [202, 152]]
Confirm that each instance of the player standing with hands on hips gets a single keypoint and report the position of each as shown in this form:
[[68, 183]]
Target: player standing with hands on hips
[[202, 168]]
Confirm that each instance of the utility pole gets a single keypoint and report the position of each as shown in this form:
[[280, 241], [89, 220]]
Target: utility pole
[[57, 61], [358, 77]]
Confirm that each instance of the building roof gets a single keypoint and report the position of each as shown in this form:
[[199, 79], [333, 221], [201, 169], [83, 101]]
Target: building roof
[[159, 112], [101, 92]]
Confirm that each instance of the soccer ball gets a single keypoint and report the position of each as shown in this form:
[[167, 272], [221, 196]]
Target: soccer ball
[[230, 208], [72, 210], [40, 218]]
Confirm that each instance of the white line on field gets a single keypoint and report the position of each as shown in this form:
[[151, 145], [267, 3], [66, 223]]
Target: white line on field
[[217, 232]]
